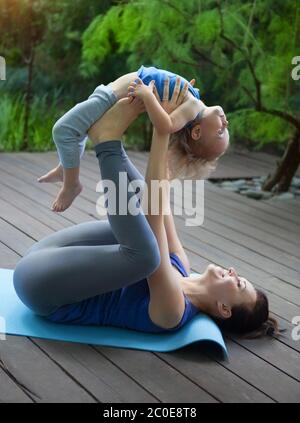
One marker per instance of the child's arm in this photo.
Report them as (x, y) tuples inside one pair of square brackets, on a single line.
[(158, 116)]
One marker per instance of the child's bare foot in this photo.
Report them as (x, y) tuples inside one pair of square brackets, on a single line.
[(55, 175), (65, 197)]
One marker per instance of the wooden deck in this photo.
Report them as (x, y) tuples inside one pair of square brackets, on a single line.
[(260, 239)]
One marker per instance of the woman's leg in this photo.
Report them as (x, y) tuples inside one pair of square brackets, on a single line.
[(86, 233), (50, 277)]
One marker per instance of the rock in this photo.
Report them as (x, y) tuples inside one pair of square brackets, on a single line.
[(266, 195), (261, 179), (239, 183), (252, 194), (233, 189), (297, 192), (284, 196), (296, 182), (226, 184)]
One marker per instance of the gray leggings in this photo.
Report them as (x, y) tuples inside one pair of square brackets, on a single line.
[(90, 258)]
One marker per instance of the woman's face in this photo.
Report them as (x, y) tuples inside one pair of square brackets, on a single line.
[(229, 288)]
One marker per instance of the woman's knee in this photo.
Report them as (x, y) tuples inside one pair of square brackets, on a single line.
[(28, 286), (20, 278)]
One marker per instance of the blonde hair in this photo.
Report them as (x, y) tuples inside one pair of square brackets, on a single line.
[(183, 163)]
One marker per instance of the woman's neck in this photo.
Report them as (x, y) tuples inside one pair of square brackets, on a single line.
[(197, 290)]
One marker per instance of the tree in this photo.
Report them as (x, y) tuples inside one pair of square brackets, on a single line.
[(44, 38), (22, 28), (240, 53)]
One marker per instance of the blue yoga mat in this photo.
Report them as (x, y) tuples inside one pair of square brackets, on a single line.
[(17, 319)]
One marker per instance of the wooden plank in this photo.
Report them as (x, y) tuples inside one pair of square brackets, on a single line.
[(269, 159), (23, 221), (163, 381), (269, 246), (108, 383), (40, 166), (10, 392), (292, 205), (276, 353), (236, 199), (8, 258), (228, 387), (39, 195), (269, 267), (44, 379), (254, 208), (211, 251), (14, 239), (41, 213), (265, 377), (80, 203), (96, 373)]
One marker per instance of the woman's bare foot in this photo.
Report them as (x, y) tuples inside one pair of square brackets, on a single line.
[(55, 175), (116, 120), (65, 197)]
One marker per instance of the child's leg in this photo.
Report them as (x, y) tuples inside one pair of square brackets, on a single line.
[(57, 174), (51, 277), (69, 132), (71, 188)]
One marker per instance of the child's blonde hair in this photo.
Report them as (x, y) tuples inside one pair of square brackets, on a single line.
[(183, 163)]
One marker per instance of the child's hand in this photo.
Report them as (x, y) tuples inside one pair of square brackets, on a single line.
[(138, 89)]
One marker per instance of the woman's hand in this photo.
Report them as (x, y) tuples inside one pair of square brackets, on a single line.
[(178, 95)]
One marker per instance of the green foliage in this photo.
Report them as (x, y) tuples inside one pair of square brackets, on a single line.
[(44, 113), (225, 45)]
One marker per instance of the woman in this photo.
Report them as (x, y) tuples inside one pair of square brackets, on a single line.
[(131, 270)]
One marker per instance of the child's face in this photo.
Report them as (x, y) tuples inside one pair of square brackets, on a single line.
[(213, 134)]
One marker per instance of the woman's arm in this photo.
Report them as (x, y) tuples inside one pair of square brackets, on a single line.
[(174, 243), (166, 297)]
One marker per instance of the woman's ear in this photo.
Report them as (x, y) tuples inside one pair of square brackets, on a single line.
[(224, 310), (196, 132)]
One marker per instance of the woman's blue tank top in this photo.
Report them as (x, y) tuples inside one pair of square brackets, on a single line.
[(126, 307)]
